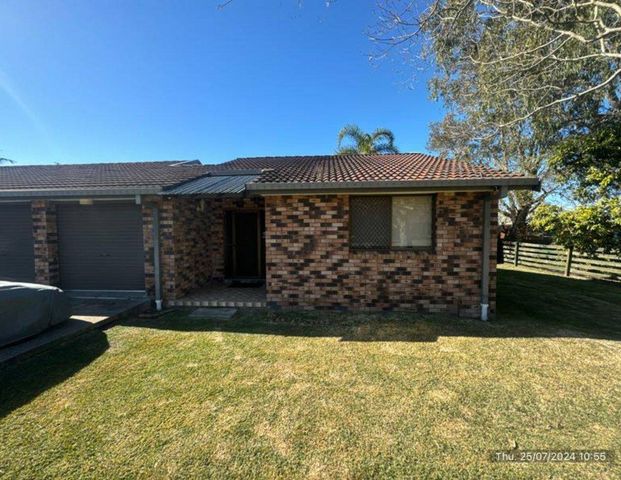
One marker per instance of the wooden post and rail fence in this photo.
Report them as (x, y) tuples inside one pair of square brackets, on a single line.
[(563, 261)]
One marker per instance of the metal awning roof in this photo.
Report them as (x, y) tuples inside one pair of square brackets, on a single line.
[(213, 185)]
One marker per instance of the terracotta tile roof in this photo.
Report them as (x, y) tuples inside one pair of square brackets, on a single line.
[(307, 170), (363, 168), (99, 175)]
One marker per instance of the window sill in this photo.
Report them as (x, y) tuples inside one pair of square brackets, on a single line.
[(391, 249)]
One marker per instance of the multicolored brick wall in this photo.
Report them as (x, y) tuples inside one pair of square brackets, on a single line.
[(45, 234), (184, 260), (147, 234), (191, 241), (192, 261), (309, 260), (310, 263)]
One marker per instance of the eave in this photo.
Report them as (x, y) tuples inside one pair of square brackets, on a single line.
[(470, 184)]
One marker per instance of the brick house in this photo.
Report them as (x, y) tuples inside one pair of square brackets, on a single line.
[(357, 232)]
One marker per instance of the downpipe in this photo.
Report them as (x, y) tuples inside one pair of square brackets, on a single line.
[(156, 258), (484, 311), (486, 241)]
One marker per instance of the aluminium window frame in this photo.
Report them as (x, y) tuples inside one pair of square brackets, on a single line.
[(418, 248)]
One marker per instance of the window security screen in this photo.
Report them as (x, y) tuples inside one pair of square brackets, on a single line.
[(370, 222)]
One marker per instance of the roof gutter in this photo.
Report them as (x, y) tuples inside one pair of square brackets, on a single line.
[(80, 193), (284, 188), (276, 188)]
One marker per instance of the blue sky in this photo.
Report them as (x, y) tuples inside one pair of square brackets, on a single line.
[(119, 80)]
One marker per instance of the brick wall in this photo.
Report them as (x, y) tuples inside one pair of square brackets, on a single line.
[(191, 241), (184, 260), (310, 264), (192, 263), (45, 234), (147, 234)]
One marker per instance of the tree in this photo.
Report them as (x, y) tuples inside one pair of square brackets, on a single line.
[(522, 148), (516, 77), (587, 228), (590, 163), (5, 160), (380, 141), (561, 56)]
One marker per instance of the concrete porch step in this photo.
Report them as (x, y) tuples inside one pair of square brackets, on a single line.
[(214, 303)]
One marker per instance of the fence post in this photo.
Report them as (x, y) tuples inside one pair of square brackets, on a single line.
[(516, 253), (570, 254)]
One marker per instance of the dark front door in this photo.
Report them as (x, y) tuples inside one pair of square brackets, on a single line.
[(245, 252)]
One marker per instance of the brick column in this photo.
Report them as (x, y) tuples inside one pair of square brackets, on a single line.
[(45, 234), (167, 250), (147, 234), (168, 277)]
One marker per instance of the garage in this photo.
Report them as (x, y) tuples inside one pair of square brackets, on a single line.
[(16, 243), (100, 246)]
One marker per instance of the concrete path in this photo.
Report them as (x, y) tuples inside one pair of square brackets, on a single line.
[(213, 313), (87, 314)]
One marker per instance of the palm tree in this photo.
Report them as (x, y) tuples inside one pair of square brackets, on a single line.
[(5, 160), (380, 141)]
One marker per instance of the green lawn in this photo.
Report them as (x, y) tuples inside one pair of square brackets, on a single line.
[(327, 395)]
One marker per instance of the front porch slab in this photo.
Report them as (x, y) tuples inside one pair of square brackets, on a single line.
[(219, 295)]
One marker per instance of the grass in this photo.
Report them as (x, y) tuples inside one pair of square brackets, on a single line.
[(327, 395)]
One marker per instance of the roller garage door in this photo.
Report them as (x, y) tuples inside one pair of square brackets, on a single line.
[(100, 246), (16, 243)]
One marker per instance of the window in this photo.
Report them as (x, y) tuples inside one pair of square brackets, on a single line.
[(411, 221), (398, 222)]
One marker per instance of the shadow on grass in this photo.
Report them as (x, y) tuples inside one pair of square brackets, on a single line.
[(395, 327), (592, 306), (24, 379), (531, 305)]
